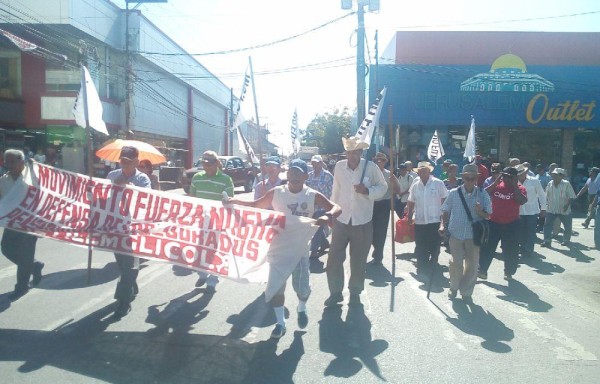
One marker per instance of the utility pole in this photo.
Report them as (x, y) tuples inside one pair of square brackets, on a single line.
[(361, 73), (129, 61), (360, 65)]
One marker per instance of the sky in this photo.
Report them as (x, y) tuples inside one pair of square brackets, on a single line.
[(315, 72)]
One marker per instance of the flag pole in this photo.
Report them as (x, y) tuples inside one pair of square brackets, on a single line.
[(90, 159), (260, 154), (392, 212)]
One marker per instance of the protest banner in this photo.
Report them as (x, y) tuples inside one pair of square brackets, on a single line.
[(230, 241)]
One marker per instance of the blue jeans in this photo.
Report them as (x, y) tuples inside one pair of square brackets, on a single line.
[(319, 238), (567, 221), (527, 234)]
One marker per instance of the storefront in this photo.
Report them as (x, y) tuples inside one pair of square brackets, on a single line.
[(533, 95)]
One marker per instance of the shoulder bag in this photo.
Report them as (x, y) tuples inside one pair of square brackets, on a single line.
[(481, 228)]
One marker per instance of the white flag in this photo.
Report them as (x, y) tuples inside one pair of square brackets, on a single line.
[(88, 107), (294, 131), (470, 147), (366, 129), (245, 146), (435, 151)]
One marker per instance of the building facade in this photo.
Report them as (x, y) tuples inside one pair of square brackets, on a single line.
[(533, 95), (149, 86)]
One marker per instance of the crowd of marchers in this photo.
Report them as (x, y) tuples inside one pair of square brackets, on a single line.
[(470, 213)]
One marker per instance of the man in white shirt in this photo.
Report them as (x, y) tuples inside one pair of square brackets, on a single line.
[(357, 183), (529, 212), (405, 180), (592, 185), (425, 199), (559, 196), (18, 247)]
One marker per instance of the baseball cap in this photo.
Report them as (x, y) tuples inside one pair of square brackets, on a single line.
[(300, 165), (129, 152), (273, 160), (316, 159)]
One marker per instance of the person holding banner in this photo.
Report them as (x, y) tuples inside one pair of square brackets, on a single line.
[(210, 183), (297, 199), (357, 183), (128, 174), (427, 194), (18, 247), (321, 180)]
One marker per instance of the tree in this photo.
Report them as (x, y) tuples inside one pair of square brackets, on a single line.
[(326, 131)]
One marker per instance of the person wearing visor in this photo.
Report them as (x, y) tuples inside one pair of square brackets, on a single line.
[(268, 178), (210, 183)]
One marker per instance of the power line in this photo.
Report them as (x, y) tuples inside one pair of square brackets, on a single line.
[(235, 50)]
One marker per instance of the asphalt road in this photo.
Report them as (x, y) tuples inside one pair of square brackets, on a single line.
[(543, 327)]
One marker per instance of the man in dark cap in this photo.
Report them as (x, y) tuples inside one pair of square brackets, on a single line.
[(507, 197), (127, 287)]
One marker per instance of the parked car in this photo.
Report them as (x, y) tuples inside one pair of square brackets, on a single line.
[(241, 172)]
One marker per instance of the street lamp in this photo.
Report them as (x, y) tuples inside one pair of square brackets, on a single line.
[(373, 6)]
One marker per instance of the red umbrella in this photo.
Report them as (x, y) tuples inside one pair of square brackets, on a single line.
[(112, 151)]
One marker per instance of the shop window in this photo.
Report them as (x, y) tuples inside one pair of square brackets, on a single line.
[(10, 75)]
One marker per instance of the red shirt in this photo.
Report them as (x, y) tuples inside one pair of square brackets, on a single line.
[(505, 208)]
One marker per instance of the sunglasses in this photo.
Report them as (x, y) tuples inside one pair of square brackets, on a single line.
[(209, 161)]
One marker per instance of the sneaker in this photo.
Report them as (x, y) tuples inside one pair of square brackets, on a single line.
[(18, 293), (201, 281), (333, 299), (302, 319), (451, 294), (566, 243), (482, 275), (278, 331), (37, 273), (467, 299), (122, 310), (545, 244), (508, 277), (585, 225), (354, 300)]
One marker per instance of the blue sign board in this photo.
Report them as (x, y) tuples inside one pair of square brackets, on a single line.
[(507, 94)]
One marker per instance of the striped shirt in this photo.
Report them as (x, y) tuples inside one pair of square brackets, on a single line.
[(211, 187), (558, 196), (322, 183)]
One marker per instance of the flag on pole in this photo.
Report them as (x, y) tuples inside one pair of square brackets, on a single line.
[(367, 127), (470, 147), (242, 95), (294, 131), (88, 107), (22, 44), (245, 146), (435, 151)]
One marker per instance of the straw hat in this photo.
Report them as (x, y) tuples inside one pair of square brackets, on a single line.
[(353, 143), (425, 164)]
